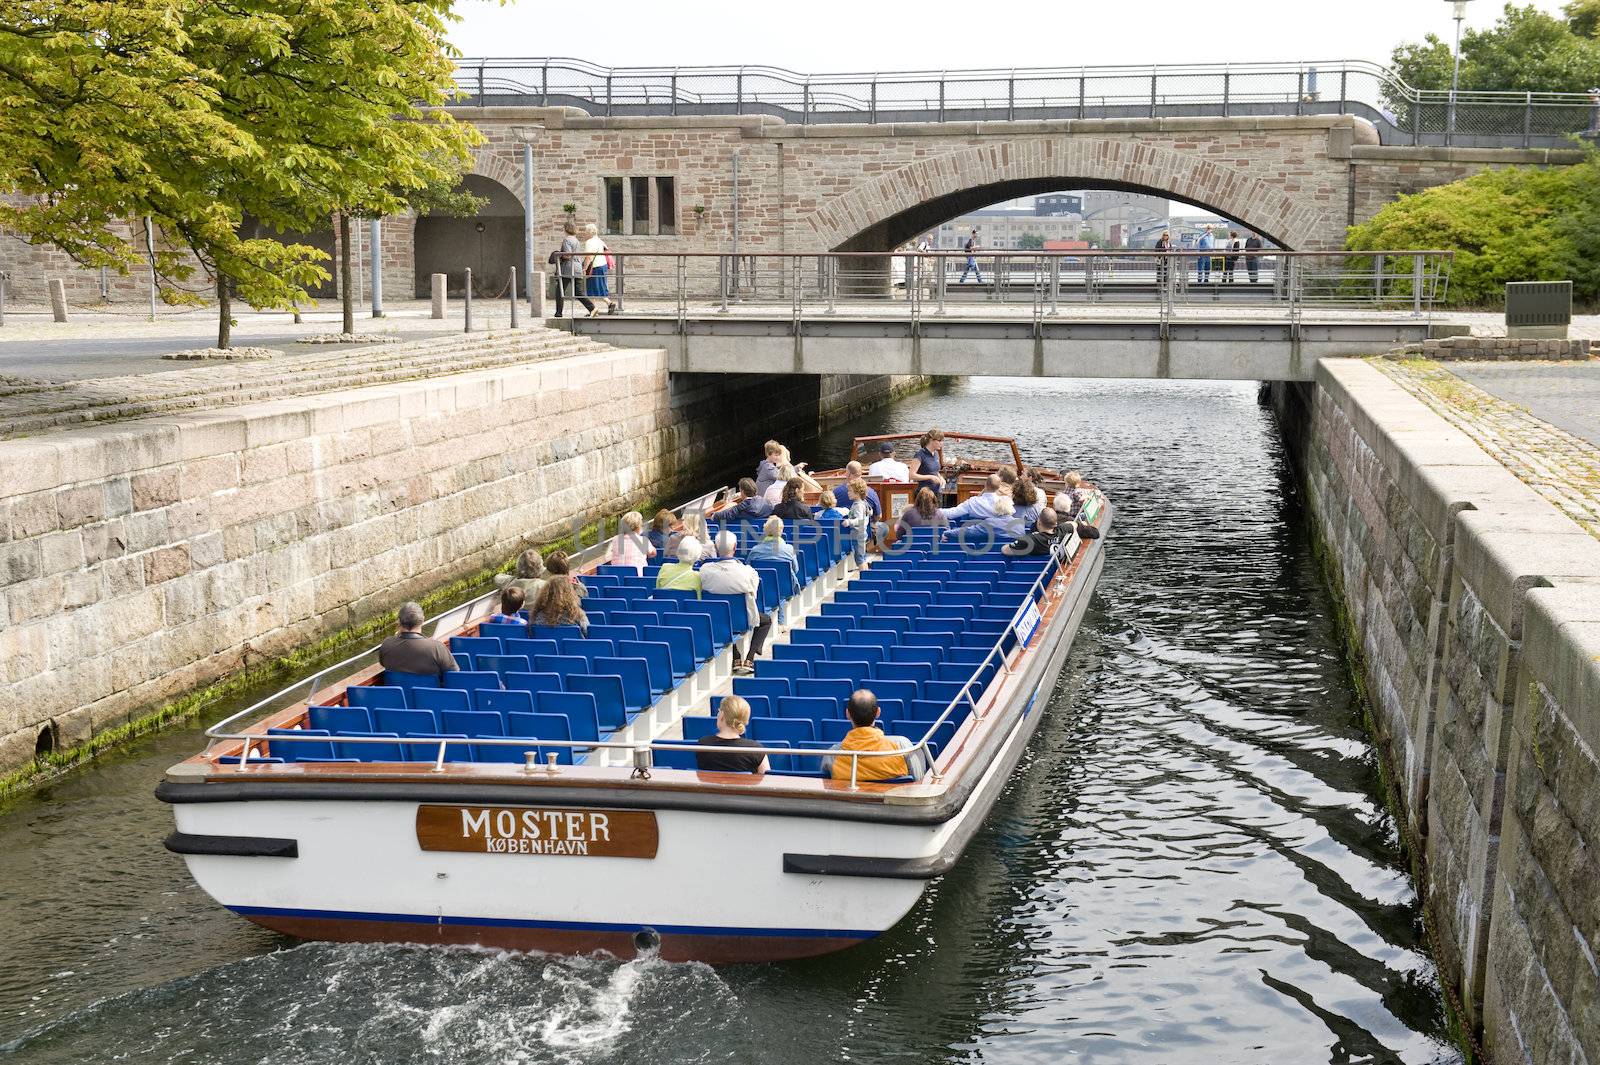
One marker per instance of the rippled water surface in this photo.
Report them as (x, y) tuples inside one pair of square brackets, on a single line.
[(1192, 864)]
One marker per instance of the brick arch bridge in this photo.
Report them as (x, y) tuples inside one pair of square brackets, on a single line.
[(1300, 180)]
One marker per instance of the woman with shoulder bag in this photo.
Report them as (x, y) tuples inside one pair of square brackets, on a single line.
[(596, 263), (568, 261)]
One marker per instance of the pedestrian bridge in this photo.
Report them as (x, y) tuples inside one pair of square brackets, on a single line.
[(1081, 314)]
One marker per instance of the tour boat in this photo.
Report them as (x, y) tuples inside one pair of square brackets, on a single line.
[(545, 796)]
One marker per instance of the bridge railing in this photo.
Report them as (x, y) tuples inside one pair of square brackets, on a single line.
[(1022, 285), (1402, 114)]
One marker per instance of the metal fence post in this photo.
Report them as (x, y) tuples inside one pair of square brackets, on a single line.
[(544, 84), (608, 95), (872, 105), (1377, 279), (480, 84), (738, 93), (1344, 94), (1416, 284), (1227, 86), (805, 103), (1011, 97), (622, 283), (513, 294), (943, 280), (1082, 92), (941, 96), (1153, 77), (722, 281), (3, 277), (1527, 122), (1055, 284), (467, 304), (1299, 92)]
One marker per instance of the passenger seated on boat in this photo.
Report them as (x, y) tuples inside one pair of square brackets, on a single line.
[(1027, 498), (773, 546), (511, 600), (408, 651), (888, 468), (661, 528), (1000, 527), (923, 513), (858, 516), (714, 755), (767, 469), (629, 547), (529, 575), (692, 527), (977, 507), (793, 507), (681, 574), (558, 567), (726, 575), (1037, 541), (751, 505), (558, 603), (1076, 491), (862, 710), (841, 493)]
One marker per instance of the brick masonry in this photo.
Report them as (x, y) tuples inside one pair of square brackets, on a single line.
[(1474, 605), (868, 188), (141, 560)]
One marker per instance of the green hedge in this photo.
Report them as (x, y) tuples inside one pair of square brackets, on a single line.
[(1516, 224)]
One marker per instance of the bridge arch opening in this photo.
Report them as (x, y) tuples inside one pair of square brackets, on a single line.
[(490, 242), (906, 226)]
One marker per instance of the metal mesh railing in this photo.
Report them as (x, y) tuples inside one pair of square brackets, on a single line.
[(1400, 113)]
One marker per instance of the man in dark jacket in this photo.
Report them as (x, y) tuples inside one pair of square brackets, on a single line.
[(408, 651), (752, 506), (1252, 256)]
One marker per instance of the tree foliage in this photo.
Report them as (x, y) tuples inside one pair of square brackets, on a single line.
[(1527, 50), (1504, 225), (198, 113)]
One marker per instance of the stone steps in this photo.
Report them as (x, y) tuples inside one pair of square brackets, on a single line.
[(38, 408)]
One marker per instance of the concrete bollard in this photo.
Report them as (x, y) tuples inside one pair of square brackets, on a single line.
[(58, 299), (536, 289), (441, 300)]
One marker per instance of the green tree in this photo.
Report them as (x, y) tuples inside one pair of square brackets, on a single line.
[(1504, 225), (1527, 50), (1030, 242), (199, 114)]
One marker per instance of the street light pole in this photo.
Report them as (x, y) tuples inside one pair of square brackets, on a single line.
[(527, 135), (1460, 13)]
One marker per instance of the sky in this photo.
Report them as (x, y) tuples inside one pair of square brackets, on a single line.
[(883, 35)]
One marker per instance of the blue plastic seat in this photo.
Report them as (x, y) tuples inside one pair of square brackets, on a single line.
[(798, 652), (545, 727), (566, 666), (739, 619), (611, 707), (871, 638), (619, 635), (468, 680), (679, 643), (502, 631), (833, 731), (781, 729), (902, 691), (405, 721), (531, 648), (554, 632), (634, 673), (472, 723), (695, 726), (533, 682), (770, 687), (859, 652), (475, 645), (915, 672), (840, 623), (518, 701), (832, 688), (922, 638), (579, 708), (672, 754), (816, 637), (429, 752), (589, 650), (809, 708), (439, 700), (410, 681), (374, 696), (503, 663), (790, 670), (658, 660), (370, 752), (290, 751), (337, 719), (853, 671), (760, 705)]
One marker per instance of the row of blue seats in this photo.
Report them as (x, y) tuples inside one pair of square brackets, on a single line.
[(798, 730), (323, 745), (580, 710)]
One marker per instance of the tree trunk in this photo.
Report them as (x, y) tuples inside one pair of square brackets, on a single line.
[(347, 288), (224, 314)]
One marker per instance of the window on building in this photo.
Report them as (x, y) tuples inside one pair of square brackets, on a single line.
[(613, 206), (666, 206), (639, 189)]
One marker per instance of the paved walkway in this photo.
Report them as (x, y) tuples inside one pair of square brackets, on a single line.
[(1560, 464)]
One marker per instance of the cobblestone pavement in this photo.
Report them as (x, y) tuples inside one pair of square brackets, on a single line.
[(1559, 465)]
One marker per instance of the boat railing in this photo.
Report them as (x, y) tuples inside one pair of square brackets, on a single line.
[(997, 654), (445, 621)]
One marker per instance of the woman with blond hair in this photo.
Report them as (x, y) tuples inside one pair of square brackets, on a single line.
[(596, 266), (629, 547)]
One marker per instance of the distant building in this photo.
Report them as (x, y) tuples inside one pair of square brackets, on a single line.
[(1006, 229), (1127, 212), (1057, 203)]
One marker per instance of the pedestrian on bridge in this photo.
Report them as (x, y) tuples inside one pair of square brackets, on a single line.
[(1231, 260), (971, 248), (1163, 244), (1202, 265), (1252, 256)]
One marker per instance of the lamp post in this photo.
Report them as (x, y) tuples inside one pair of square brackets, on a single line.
[(1459, 13), (527, 135)]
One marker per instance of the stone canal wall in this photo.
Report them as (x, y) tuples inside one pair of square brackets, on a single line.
[(1475, 606), (143, 560)]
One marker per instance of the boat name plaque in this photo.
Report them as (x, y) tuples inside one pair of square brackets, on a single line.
[(1026, 622), (537, 830)]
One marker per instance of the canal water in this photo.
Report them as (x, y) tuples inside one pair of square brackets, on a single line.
[(1193, 863)]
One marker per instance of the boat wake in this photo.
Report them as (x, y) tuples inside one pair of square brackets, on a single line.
[(336, 1003)]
